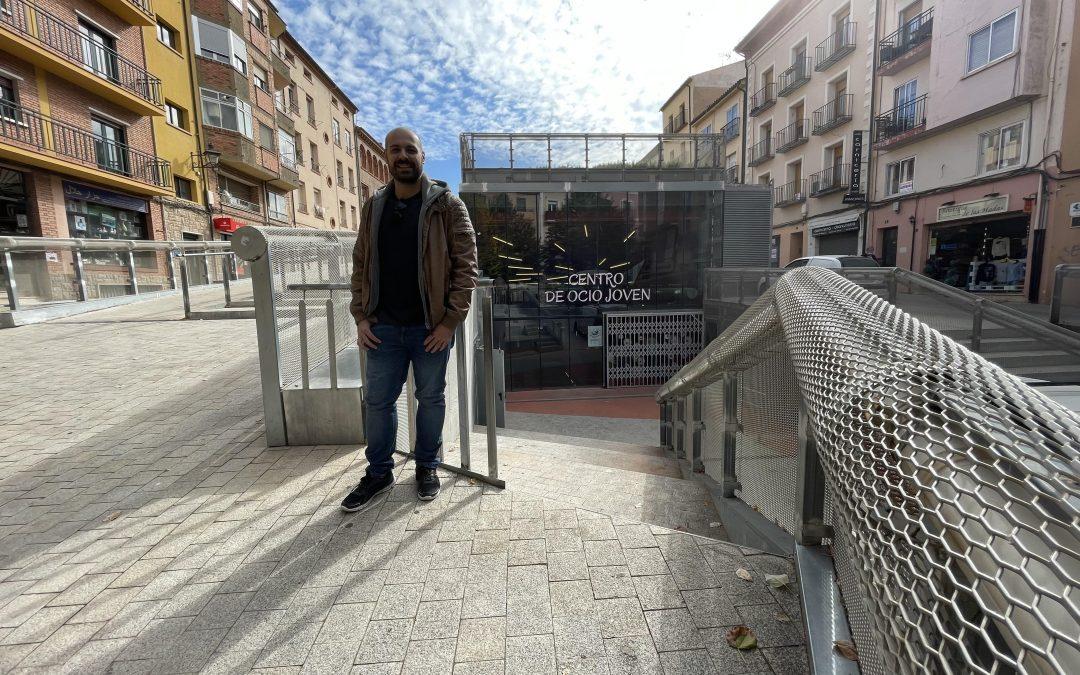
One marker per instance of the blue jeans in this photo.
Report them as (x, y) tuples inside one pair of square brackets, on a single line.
[(387, 369)]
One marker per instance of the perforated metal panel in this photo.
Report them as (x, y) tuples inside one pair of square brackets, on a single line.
[(954, 488), (644, 348)]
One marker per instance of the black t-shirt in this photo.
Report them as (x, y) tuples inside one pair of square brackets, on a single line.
[(400, 303)]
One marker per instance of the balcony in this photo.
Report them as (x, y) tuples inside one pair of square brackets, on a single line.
[(731, 174), (135, 12), (833, 114), (900, 124), (762, 99), (760, 152), (239, 204), (910, 43), (29, 137), (731, 130), (790, 193), (61, 49), (835, 47), (794, 77), (277, 60), (791, 136), (243, 155), (831, 179)]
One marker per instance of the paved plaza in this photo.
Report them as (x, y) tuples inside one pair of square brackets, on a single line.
[(146, 527)]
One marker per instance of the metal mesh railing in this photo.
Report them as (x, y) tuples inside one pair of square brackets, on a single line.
[(309, 257), (951, 487), (1065, 301)]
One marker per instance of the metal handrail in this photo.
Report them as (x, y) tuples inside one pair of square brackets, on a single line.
[(760, 151), (792, 135), (829, 179), (34, 22), (762, 98), (834, 113), (1060, 274), (794, 77), (948, 487), (27, 127), (793, 192)]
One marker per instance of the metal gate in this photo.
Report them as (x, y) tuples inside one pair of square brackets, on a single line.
[(647, 348)]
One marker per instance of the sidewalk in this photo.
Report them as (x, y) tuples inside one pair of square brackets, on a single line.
[(145, 527)]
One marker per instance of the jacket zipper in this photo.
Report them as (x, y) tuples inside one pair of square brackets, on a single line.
[(420, 256)]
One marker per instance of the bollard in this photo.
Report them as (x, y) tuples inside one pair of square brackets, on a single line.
[(185, 286), (489, 385)]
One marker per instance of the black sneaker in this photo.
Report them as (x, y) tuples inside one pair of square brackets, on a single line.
[(427, 484), (366, 492)]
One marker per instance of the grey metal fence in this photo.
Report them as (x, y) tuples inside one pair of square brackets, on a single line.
[(1065, 301), (947, 489)]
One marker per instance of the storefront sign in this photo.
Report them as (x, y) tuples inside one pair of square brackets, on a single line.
[(52, 256), (98, 196), (979, 207), (596, 336), (854, 193), (602, 287), (835, 228), (1074, 213)]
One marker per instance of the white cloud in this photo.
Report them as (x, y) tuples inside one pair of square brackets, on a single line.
[(516, 65)]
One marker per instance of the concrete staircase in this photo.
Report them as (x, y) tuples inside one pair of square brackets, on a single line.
[(1023, 355)]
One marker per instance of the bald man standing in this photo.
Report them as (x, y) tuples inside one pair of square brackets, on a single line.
[(414, 269)]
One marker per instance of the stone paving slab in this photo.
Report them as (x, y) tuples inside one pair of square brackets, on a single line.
[(145, 527)]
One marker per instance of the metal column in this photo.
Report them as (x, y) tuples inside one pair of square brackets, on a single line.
[(12, 287), (810, 500)]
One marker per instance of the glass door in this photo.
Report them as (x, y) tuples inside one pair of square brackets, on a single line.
[(99, 52), (110, 146), (904, 104)]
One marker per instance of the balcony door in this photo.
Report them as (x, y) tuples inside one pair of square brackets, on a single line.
[(99, 51), (904, 103), (110, 146)]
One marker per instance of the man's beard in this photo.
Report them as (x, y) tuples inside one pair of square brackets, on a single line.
[(407, 180)]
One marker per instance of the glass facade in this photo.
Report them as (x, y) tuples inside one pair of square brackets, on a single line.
[(560, 260)]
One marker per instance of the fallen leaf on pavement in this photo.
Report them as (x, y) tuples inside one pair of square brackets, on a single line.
[(744, 574), (782, 617), (777, 580), (847, 649), (741, 637), (113, 516)]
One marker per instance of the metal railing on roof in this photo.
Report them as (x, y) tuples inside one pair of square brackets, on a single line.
[(945, 489)]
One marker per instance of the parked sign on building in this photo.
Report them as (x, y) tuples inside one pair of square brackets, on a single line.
[(596, 334), (855, 194), (973, 209)]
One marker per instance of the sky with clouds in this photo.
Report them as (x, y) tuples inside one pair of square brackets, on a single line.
[(515, 65)]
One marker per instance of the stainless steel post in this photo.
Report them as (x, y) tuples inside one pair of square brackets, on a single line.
[(730, 483), (890, 283), (810, 501), (131, 272), (464, 419), (976, 326), (331, 342), (225, 279), (80, 275), (697, 430), (1055, 297), (301, 309), (9, 279), (185, 286), (489, 384)]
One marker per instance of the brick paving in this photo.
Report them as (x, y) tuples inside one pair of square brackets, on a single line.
[(145, 527)]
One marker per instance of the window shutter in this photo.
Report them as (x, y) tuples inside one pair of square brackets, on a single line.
[(979, 49)]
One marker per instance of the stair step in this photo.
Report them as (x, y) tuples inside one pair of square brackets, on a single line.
[(587, 451), (614, 446)]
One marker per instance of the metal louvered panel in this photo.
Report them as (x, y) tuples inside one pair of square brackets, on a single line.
[(747, 226)]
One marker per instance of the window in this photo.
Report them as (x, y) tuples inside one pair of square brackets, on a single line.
[(301, 198), (184, 188), (9, 100), (310, 110), (255, 16), (1000, 148), (286, 148), (317, 193), (337, 132), (175, 115), (167, 35), (313, 151), (110, 145), (307, 74), (340, 174), (352, 180), (732, 113), (99, 51), (220, 44), (276, 206), (226, 112), (900, 177), (266, 136), (348, 143), (352, 214), (238, 195), (341, 214), (992, 43), (262, 80), (333, 102)]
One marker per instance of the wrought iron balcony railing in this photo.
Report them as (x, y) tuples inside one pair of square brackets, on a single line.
[(835, 47), (731, 174), (905, 39), (32, 130), (901, 119), (794, 77), (790, 193), (792, 135), (760, 152), (34, 23), (830, 179), (835, 113), (731, 129), (762, 99), (238, 203)]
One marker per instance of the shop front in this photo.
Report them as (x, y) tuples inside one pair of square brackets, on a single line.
[(836, 234), (13, 211)]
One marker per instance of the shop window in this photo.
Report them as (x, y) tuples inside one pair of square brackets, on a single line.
[(226, 112), (167, 35), (175, 115), (900, 177), (220, 44), (992, 43), (1000, 148), (262, 80), (107, 220), (13, 218), (184, 188)]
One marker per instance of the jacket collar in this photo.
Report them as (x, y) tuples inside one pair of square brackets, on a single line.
[(429, 188)]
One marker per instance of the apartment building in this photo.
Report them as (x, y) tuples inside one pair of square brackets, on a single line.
[(323, 137), (247, 158), (725, 116), (973, 141), (686, 103), (374, 171), (77, 150), (808, 70)]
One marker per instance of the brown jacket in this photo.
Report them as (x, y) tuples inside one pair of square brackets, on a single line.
[(447, 253)]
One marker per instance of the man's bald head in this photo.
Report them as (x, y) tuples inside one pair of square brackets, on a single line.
[(405, 155)]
